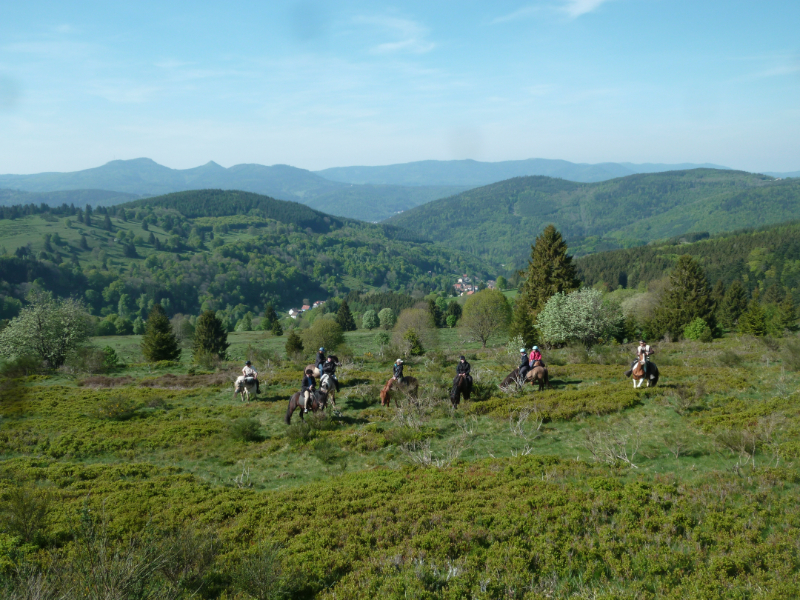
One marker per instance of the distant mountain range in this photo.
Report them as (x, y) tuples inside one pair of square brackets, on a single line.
[(499, 221), (473, 173), (144, 177)]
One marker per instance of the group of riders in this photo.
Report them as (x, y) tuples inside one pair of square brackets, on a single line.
[(327, 366)]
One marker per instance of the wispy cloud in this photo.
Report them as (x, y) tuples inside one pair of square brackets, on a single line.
[(573, 8), (408, 36)]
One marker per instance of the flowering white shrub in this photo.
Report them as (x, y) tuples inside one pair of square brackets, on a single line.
[(581, 316)]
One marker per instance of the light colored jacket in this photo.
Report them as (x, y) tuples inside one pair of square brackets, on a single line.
[(249, 372)]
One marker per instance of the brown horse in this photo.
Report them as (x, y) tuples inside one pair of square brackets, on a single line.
[(461, 387), (409, 387), (537, 374), (318, 402)]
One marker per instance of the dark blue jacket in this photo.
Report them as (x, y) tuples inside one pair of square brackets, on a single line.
[(308, 382), (398, 371)]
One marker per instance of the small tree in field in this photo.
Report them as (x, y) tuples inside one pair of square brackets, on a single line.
[(370, 320), (270, 317), (47, 328), (345, 318), (579, 316), (159, 342), (294, 345), (277, 330), (387, 318), (324, 333), (486, 314), (210, 337)]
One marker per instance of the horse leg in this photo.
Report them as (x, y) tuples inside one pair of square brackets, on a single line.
[(289, 411)]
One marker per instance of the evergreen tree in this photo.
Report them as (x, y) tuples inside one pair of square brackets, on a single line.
[(718, 293), (294, 345), (270, 317), (107, 223), (159, 341), (145, 226), (123, 216), (734, 303), (550, 271), (522, 325), (753, 320), (775, 294), (436, 313), (84, 244), (210, 336), (87, 215), (787, 313), (276, 328), (151, 239), (688, 297), (345, 318)]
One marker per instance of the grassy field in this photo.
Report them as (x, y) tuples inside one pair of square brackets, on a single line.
[(590, 489)]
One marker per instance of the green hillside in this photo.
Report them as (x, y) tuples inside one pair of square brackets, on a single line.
[(758, 257), (230, 251), (498, 222)]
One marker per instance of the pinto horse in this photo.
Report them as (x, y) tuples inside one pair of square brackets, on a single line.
[(244, 386), (319, 401), (409, 386), (462, 386), (637, 374)]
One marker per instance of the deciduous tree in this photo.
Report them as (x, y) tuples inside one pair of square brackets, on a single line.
[(486, 314), (580, 316)]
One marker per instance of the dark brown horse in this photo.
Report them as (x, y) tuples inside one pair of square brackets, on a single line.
[(537, 374), (409, 386), (319, 401), (462, 386)]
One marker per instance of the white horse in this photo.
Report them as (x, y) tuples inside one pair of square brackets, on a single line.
[(244, 386), (330, 386)]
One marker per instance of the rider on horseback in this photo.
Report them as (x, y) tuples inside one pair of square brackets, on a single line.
[(329, 369), (307, 388), (249, 372), (320, 360), (643, 352), (397, 373), (462, 370), (536, 355), (524, 365)]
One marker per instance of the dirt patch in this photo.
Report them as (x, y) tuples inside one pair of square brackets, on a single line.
[(183, 382), (103, 381)]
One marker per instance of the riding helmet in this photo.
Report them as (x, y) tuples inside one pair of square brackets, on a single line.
[(248, 363), (322, 349), (522, 350), (399, 361), (463, 358), (535, 348)]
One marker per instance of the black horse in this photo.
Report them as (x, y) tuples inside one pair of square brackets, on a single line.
[(462, 386), (318, 402)]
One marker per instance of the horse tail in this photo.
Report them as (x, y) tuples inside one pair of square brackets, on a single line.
[(289, 411)]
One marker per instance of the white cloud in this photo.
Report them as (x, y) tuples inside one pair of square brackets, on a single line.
[(408, 36), (521, 13), (576, 8)]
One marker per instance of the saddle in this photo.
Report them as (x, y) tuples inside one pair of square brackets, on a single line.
[(249, 380)]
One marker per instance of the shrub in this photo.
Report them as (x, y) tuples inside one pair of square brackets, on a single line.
[(729, 358), (697, 330), (791, 357), (411, 343), (20, 366), (387, 318), (26, 511), (246, 429), (327, 452), (370, 320), (261, 573), (117, 409), (581, 316), (294, 345), (105, 328), (324, 333)]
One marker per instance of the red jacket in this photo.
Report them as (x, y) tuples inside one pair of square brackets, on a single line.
[(535, 355)]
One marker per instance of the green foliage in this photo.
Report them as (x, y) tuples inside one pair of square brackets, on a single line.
[(370, 320), (110, 358), (323, 333), (688, 298), (734, 303), (753, 321), (26, 511), (697, 330), (294, 345), (451, 321), (263, 573), (387, 318), (245, 323), (486, 315), (270, 317), (436, 313), (345, 318), (580, 316), (412, 343), (276, 330), (210, 336), (502, 283), (421, 321), (159, 342), (550, 271), (246, 429), (47, 328)]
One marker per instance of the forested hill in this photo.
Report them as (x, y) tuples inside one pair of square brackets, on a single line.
[(499, 221), (758, 257), (228, 251)]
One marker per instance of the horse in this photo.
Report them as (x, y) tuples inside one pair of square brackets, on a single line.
[(244, 386), (409, 386), (315, 370), (319, 401), (637, 374), (326, 381), (537, 374), (461, 387)]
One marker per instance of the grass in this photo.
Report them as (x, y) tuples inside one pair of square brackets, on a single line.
[(203, 450)]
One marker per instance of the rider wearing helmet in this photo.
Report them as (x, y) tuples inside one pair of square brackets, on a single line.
[(307, 388), (524, 365), (397, 372), (536, 355), (329, 369), (320, 360), (462, 370), (249, 371), (643, 352)]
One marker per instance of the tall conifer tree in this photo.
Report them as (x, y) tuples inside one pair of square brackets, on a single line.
[(345, 318), (734, 303), (210, 336), (159, 341), (688, 297), (753, 320)]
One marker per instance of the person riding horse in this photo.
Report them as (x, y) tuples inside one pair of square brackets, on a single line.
[(524, 365), (329, 369), (643, 352), (320, 360), (397, 372), (536, 356), (462, 370), (307, 389), (249, 371)]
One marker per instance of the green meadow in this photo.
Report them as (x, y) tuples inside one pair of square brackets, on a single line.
[(590, 489)]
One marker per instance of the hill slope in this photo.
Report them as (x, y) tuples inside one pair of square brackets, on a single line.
[(473, 173), (213, 249), (144, 177), (500, 221), (77, 197)]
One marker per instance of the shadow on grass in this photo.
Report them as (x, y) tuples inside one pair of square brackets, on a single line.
[(354, 404)]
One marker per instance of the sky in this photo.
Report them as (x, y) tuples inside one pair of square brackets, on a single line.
[(318, 84)]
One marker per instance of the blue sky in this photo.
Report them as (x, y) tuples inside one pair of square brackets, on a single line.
[(319, 84)]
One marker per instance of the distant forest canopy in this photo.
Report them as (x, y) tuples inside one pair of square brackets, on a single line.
[(229, 256), (77, 198), (759, 258), (497, 222)]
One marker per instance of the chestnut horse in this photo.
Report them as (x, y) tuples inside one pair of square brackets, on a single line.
[(637, 374), (409, 387)]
